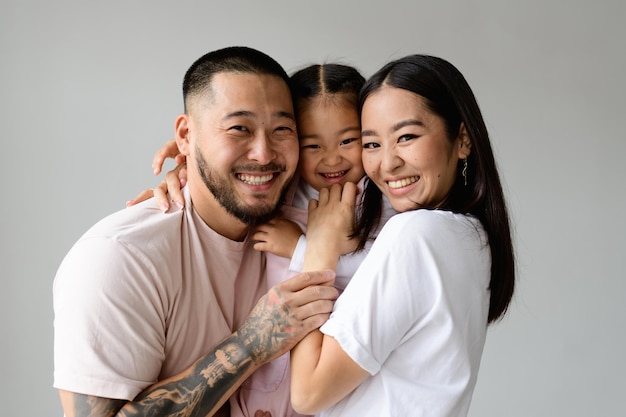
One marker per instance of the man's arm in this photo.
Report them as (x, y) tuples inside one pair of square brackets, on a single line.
[(280, 319)]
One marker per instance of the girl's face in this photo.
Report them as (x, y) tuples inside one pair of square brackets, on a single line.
[(330, 142), (406, 150)]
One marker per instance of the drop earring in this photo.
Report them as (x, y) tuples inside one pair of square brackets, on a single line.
[(464, 171)]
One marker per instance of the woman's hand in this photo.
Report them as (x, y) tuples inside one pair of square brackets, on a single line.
[(174, 180)]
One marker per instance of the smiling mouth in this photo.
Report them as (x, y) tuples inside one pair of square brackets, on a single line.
[(255, 179), (403, 182), (332, 175)]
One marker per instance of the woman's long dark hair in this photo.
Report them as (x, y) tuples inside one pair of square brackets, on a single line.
[(448, 95)]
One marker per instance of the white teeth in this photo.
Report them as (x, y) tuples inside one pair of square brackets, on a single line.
[(403, 182), (334, 174), (255, 179)]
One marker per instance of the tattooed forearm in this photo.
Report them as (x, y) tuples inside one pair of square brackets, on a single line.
[(85, 405), (200, 391), (270, 330)]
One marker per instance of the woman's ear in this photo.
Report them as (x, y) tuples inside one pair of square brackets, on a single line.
[(465, 143), (181, 128)]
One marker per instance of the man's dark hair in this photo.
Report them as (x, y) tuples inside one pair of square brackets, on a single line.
[(238, 59)]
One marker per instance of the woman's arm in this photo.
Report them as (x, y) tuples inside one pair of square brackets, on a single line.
[(321, 372)]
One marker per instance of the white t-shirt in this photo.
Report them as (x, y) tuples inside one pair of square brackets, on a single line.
[(142, 295), (415, 317), (268, 389)]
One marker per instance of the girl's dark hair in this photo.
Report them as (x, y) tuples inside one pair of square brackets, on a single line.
[(447, 94), (326, 80)]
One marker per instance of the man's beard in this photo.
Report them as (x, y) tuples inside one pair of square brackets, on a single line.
[(226, 197)]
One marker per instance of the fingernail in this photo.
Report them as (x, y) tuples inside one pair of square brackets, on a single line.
[(164, 207), (179, 205)]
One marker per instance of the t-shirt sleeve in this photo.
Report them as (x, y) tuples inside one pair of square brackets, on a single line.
[(391, 294), (297, 259), (109, 321)]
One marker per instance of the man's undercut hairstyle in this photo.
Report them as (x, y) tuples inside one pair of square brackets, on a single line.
[(236, 59)]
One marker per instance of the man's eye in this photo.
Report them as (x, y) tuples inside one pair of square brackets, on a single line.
[(239, 128), (284, 129)]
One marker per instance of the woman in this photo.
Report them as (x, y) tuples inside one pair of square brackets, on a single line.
[(407, 334)]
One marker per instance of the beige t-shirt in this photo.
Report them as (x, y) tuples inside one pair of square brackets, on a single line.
[(143, 294)]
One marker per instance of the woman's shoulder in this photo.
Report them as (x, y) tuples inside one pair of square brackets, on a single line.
[(433, 223), (432, 217)]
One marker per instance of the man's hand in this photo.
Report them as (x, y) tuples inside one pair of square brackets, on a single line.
[(287, 313)]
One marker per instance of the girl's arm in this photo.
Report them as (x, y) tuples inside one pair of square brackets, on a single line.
[(170, 187), (321, 372), (278, 236)]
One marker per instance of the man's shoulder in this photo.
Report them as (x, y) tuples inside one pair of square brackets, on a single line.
[(142, 220)]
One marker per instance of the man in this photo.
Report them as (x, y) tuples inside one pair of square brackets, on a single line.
[(179, 299)]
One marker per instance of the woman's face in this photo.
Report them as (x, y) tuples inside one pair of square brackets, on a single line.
[(406, 151)]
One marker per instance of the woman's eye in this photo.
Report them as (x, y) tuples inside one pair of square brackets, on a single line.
[(407, 137)]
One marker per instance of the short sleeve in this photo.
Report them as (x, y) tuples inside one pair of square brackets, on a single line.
[(413, 285), (109, 321)]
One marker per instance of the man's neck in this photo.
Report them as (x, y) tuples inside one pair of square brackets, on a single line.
[(214, 215)]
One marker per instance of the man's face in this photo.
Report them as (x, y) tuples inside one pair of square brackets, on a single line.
[(243, 143)]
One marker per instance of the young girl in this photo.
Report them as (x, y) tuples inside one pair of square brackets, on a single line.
[(329, 133), (407, 334)]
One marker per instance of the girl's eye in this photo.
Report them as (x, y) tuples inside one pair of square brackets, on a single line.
[(348, 141), (371, 145), (310, 147)]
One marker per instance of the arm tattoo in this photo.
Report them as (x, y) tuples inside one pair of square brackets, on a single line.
[(195, 394), (267, 333)]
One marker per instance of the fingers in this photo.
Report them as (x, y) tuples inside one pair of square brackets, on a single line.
[(174, 184), (335, 192), (169, 150), (306, 279), (160, 196), (144, 195), (314, 314), (349, 192)]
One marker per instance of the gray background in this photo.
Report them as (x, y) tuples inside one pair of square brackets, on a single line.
[(90, 90)]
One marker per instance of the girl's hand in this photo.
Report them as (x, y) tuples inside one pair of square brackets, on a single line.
[(330, 225), (278, 236), (174, 180)]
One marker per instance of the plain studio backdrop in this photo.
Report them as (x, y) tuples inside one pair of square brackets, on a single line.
[(90, 90)]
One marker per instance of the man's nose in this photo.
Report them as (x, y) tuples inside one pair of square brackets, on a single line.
[(261, 149)]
